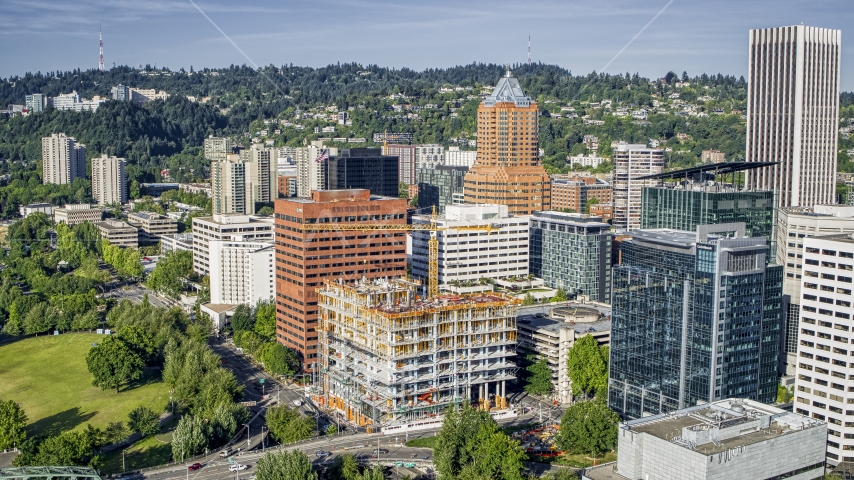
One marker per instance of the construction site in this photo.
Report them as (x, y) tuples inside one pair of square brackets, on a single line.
[(387, 355)]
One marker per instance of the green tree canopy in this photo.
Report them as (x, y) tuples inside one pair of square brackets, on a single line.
[(539, 381), (279, 359), (287, 425), (289, 464), (189, 438), (113, 363), (144, 421), (171, 271), (13, 423), (588, 427), (587, 366)]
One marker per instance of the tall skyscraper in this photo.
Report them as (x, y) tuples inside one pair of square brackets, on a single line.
[(63, 159), (696, 317), (793, 112), (630, 163), (261, 170), (508, 170), (438, 185), (109, 182), (302, 266), (216, 148), (406, 165), (311, 174), (363, 168), (228, 182)]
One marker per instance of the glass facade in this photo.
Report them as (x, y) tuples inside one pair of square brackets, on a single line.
[(572, 252), (365, 168), (684, 209), (437, 186), (694, 319)]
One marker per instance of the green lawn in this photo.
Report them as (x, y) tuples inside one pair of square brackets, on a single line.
[(47, 375), (148, 452)]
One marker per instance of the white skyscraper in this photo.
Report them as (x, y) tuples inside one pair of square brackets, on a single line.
[(109, 182), (310, 174), (630, 163), (793, 112), (228, 182), (63, 159), (261, 172), (241, 271)]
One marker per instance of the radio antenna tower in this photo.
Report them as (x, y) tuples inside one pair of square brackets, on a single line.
[(101, 47), (529, 49)]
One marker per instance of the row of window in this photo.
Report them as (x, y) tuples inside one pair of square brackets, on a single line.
[(831, 253)]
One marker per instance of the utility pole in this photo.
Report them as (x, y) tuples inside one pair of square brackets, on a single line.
[(123, 460), (529, 49)]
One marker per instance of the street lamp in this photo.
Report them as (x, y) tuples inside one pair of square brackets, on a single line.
[(248, 429)]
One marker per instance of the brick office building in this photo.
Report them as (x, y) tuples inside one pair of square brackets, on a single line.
[(305, 258)]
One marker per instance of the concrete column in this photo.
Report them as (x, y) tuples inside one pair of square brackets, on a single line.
[(502, 389)]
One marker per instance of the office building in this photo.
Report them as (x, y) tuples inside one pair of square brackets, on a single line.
[(234, 227), (118, 233), (143, 95), (824, 341), (406, 164), (712, 156), (574, 192), (630, 163), (228, 181), (121, 93), (696, 318), (287, 186), (27, 210), (429, 155), (63, 159), (72, 101), (35, 103), (551, 338), (591, 161), (176, 242), (72, 214), (152, 227), (304, 258), (261, 167), (508, 169), (362, 168), (437, 186), (733, 438), (572, 251), (469, 255), (605, 211), (217, 148), (793, 112), (109, 181), (454, 157), (241, 272), (311, 174), (389, 356), (796, 224)]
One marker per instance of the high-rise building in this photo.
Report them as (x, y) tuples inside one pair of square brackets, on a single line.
[(508, 169), (794, 225), (406, 161), (630, 163), (63, 159), (793, 112), (228, 181), (311, 174), (109, 182), (261, 166), (454, 157), (695, 318), (437, 186), (822, 388), (121, 93), (572, 251), (217, 148), (305, 258), (35, 103), (429, 154), (231, 227), (241, 272), (574, 192), (362, 168), (469, 255)]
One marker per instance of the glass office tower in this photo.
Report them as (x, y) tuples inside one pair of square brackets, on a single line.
[(437, 186), (696, 317)]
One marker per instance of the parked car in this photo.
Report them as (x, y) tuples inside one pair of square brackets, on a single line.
[(237, 467), (380, 451), (224, 453), (194, 466), (297, 403), (322, 453)]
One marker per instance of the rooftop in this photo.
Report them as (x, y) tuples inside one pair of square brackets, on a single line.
[(553, 325), (114, 225), (841, 237), (580, 218), (508, 89), (722, 425), (717, 168), (147, 215)]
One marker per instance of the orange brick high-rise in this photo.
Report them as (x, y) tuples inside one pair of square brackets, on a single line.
[(304, 259), (508, 170)]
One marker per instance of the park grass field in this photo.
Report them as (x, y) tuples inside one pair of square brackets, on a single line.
[(47, 376), (148, 452)]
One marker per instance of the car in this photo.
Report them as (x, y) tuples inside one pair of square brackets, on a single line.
[(380, 451), (194, 466), (540, 315), (224, 453), (322, 453), (409, 464), (237, 467), (425, 457), (413, 455), (297, 403), (398, 464)]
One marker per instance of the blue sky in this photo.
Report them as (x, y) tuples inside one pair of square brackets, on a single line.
[(694, 35)]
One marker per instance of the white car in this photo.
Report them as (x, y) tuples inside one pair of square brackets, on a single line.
[(297, 403), (237, 466)]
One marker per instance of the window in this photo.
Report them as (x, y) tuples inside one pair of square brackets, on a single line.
[(832, 253)]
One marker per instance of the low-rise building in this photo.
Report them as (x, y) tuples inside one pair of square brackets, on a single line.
[(118, 233), (603, 210), (152, 226), (725, 439), (72, 214), (27, 210), (176, 242), (226, 227), (575, 193)]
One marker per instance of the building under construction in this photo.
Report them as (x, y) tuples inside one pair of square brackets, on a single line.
[(387, 354)]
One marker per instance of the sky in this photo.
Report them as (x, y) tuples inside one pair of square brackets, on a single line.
[(636, 36)]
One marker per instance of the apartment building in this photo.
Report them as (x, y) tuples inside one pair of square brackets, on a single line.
[(152, 227), (406, 161), (429, 155), (241, 272), (63, 159), (469, 255), (573, 193), (630, 163), (229, 182), (261, 165), (234, 227), (118, 233), (109, 181), (217, 148), (311, 173), (72, 214), (454, 157)]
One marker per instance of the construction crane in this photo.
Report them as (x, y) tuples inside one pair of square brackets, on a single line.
[(432, 244)]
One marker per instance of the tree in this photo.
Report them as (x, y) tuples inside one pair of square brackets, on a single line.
[(115, 432), (587, 366), (169, 274), (265, 320), (528, 300), (189, 438), (144, 421), (332, 429), (13, 422), (265, 211), (287, 425), (278, 359), (590, 202), (39, 319), (784, 395), (560, 295), (588, 427), (113, 363), (293, 465), (539, 380), (242, 318)]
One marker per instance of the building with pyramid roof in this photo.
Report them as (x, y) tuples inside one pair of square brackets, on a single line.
[(508, 170)]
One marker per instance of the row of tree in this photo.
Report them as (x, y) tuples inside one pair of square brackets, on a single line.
[(254, 330)]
